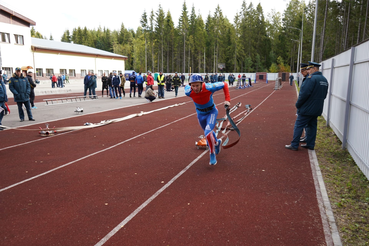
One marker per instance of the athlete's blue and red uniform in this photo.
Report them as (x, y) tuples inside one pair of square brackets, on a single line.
[(206, 110)]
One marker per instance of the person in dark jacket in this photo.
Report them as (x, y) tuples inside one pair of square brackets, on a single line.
[(93, 85), (60, 81), (132, 85), (206, 78), (33, 86), (176, 83), (3, 98), (291, 79), (215, 77), (243, 78), (110, 84), (86, 82), (168, 82), (115, 80), (21, 89), (304, 72), (105, 85), (309, 106), (183, 77)]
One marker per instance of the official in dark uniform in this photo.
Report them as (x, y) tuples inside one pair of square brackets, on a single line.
[(304, 71), (309, 106)]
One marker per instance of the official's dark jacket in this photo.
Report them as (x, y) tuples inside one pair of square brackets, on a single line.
[(312, 94), (20, 88)]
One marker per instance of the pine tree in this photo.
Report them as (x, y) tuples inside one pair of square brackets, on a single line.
[(183, 28), (66, 37)]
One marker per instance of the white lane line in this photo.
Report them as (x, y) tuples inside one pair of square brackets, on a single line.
[(157, 193), (87, 156), (24, 143), (143, 205), (29, 142), (59, 134)]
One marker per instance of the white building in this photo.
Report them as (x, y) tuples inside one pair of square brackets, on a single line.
[(48, 57), (15, 40)]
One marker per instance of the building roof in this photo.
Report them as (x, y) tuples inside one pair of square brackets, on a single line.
[(16, 14), (63, 47)]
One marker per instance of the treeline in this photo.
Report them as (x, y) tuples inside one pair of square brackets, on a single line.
[(251, 42)]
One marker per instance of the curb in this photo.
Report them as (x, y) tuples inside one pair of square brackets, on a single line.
[(331, 233)]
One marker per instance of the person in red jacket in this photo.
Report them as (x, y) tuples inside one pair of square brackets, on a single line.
[(54, 79), (150, 80)]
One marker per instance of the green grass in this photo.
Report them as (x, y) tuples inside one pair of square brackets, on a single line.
[(347, 187)]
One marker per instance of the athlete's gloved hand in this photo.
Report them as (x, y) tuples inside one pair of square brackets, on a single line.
[(226, 103)]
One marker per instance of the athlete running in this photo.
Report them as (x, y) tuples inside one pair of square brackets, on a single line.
[(202, 95)]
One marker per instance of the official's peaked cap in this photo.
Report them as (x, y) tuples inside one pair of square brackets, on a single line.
[(314, 64), (304, 65)]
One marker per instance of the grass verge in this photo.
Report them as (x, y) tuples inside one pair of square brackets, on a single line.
[(347, 187)]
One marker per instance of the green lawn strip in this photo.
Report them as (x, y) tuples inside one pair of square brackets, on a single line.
[(347, 187)]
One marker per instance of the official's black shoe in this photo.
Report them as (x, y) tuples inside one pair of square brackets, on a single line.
[(306, 147), (21, 120), (31, 119), (290, 147)]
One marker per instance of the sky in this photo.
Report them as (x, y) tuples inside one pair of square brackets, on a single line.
[(54, 17)]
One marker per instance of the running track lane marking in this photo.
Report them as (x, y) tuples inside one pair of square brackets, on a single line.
[(100, 151), (157, 193), (87, 156), (59, 134)]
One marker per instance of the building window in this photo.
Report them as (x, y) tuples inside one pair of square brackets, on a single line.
[(8, 71), (72, 73), (63, 71), (83, 72), (39, 72), (99, 72), (5, 37), (19, 39), (49, 71), (106, 72)]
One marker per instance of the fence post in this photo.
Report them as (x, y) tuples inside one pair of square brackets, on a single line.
[(330, 93), (348, 99)]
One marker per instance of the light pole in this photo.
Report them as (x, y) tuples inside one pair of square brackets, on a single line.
[(301, 35), (298, 57), (313, 43)]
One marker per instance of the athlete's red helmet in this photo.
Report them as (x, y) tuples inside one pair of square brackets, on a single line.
[(196, 78)]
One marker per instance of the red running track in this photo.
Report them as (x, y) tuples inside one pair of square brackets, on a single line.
[(259, 193)]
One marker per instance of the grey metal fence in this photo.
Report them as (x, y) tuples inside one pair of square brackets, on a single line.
[(346, 108)]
